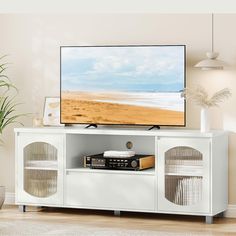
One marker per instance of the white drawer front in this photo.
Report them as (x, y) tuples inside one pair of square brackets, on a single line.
[(110, 191)]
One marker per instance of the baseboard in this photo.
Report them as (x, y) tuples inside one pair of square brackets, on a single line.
[(9, 198), (229, 213)]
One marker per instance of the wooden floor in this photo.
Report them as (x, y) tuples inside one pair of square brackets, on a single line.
[(183, 225)]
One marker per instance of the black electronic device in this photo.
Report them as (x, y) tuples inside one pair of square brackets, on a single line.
[(137, 162)]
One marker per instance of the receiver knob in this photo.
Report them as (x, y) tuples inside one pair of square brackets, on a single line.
[(134, 163)]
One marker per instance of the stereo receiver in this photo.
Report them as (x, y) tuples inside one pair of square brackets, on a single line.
[(136, 162)]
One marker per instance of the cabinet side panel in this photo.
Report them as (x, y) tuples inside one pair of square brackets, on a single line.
[(16, 167), (219, 170)]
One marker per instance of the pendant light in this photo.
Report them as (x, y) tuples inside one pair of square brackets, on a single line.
[(211, 63)]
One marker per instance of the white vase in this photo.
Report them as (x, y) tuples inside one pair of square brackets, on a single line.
[(205, 120)]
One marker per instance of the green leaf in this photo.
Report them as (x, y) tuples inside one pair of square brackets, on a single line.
[(8, 104)]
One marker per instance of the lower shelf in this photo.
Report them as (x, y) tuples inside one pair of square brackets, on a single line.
[(40, 168), (184, 174), (150, 171)]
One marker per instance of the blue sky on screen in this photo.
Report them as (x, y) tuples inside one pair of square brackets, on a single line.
[(128, 69)]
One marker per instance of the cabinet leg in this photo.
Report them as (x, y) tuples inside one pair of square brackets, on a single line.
[(116, 213), (209, 220), (22, 208)]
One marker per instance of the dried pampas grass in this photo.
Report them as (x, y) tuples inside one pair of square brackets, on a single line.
[(201, 97)]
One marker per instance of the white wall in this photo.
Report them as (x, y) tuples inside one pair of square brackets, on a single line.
[(33, 44)]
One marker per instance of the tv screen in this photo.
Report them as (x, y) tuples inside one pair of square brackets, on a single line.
[(128, 85)]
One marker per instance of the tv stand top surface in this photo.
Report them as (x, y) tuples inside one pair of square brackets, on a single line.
[(138, 131)]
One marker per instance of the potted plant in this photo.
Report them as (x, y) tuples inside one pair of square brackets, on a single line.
[(8, 106), (201, 97)]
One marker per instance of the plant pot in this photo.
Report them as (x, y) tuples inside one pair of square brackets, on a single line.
[(2, 195), (205, 120)]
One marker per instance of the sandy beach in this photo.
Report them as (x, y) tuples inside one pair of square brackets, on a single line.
[(82, 107)]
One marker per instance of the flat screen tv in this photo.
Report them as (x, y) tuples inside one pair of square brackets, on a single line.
[(123, 85)]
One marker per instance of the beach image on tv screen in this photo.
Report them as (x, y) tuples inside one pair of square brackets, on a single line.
[(133, 85)]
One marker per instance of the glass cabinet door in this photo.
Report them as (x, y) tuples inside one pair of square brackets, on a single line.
[(40, 167), (183, 175)]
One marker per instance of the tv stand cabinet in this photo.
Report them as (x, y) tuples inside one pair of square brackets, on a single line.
[(190, 175)]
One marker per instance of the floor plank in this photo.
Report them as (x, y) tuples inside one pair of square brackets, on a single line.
[(181, 225)]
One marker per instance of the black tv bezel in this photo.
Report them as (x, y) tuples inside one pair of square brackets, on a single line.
[(146, 45)]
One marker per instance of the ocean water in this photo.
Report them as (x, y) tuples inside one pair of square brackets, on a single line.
[(168, 101)]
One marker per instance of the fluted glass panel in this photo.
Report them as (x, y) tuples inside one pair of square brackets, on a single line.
[(40, 169), (183, 175)]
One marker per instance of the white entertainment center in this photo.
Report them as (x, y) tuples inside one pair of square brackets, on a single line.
[(190, 174)]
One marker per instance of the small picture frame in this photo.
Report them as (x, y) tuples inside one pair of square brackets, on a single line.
[(51, 114)]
